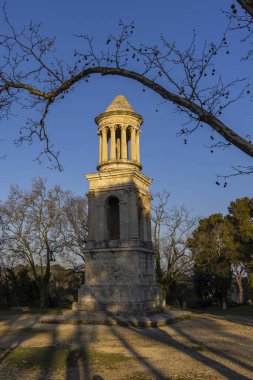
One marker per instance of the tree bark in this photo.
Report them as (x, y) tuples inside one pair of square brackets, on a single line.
[(247, 5), (240, 289), (42, 291)]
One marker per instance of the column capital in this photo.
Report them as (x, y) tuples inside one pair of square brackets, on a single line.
[(104, 128), (123, 126), (133, 129)]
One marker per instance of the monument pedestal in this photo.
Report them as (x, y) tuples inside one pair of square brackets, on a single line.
[(120, 299), (120, 281)]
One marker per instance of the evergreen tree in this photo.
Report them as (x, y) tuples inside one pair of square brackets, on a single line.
[(213, 247)]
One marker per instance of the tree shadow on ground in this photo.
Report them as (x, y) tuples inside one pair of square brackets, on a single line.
[(154, 371), (20, 328), (77, 362), (11, 323), (178, 336), (213, 325), (43, 359), (160, 335), (211, 322)]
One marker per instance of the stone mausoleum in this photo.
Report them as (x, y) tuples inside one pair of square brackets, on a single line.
[(119, 258)]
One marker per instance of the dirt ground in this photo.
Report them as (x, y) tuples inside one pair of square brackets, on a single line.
[(203, 347)]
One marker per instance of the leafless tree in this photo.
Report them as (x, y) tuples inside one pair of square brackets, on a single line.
[(75, 230), (172, 228), (30, 230), (176, 256), (32, 76), (159, 216), (244, 22)]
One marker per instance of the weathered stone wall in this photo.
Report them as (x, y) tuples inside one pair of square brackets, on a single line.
[(120, 281), (120, 266), (120, 299)]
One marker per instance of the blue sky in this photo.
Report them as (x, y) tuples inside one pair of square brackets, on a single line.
[(187, 171)]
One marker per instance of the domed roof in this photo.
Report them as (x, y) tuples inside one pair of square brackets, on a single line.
[(119, 103)]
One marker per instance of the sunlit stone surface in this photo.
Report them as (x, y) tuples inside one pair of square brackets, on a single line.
[(119, 259)]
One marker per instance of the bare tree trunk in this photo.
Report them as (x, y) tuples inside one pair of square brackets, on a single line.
[(42, 291), (249, 291), (240, 289)]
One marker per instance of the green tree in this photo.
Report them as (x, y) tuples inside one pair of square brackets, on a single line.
[(63, 286), (241, 218), (212, 247)]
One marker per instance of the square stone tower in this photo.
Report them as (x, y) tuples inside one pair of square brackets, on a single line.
[(119, 258)]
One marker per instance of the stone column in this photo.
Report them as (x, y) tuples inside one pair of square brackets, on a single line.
[(113, 142), (104, 144), (133, 144), (118, 150), (100, 146), (138, 132), (123, 142)]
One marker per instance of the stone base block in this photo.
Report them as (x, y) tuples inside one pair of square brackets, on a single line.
[(120, 299)]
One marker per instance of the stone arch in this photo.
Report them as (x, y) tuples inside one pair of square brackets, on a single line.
[(112, 218)]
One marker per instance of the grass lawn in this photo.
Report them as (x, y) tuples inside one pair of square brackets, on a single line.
[(58, 357)]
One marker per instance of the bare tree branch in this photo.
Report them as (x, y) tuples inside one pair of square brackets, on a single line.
[(30, 69), (247, 5)]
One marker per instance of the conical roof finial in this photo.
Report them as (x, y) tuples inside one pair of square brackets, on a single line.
[(119, 103)]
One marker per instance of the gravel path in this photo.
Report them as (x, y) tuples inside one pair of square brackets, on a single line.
[(203, 347)]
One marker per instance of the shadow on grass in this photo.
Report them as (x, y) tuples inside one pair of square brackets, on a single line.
[(45, 360), (77, 361), (10, 342), (18, 329)]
